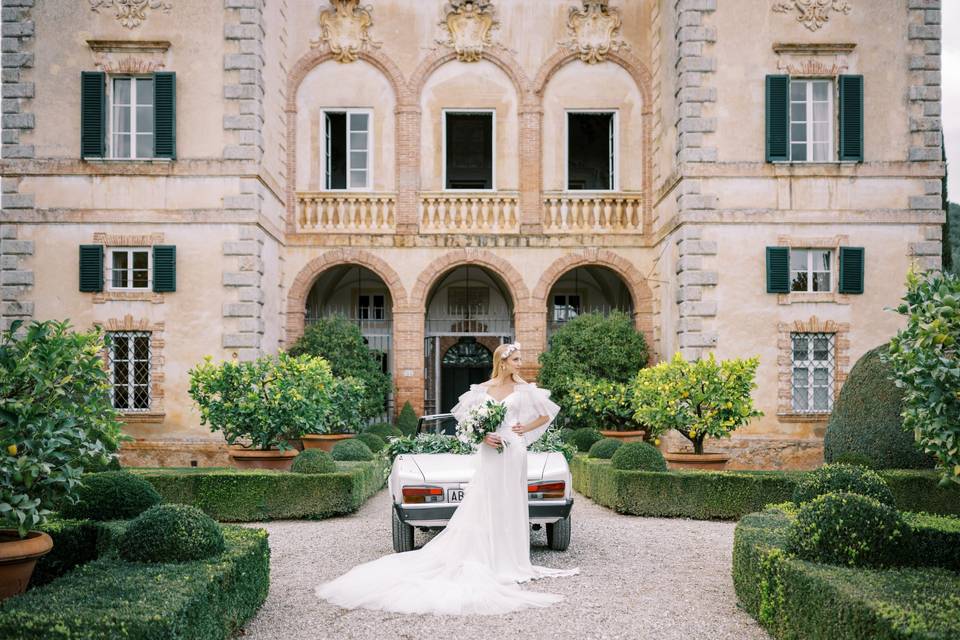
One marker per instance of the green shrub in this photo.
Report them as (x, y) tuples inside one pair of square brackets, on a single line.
[(407, 420), (112, 464), (110, 598), (171, 533), (926, 365), (550, 441), (847, 529), (427, 443), (602, 404), (605, 448), (866, 425), (584, 438), (75, 542), (351, 449), (372, 440), (56, 417), (934, 541), (638, 456), (338, 340), (854, 459), (313, 461), (846, 478), (111, 495), (384, 430), (566, 434)]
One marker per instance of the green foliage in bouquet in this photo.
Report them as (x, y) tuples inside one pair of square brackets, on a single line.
[(551, 441)]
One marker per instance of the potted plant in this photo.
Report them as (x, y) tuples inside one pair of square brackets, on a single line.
[(606, 405), (261, 405), (698, 399), (55, 417), (342, 416)]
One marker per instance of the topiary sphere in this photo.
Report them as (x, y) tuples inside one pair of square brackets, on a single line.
[(313, 461), (351, 450), (171, 533), (847, 529), (111, 495), (855, 459), (384, 430), (843, 477), (638, 456), (372, 440), (605, 448), (583, 439), (866, 419), (566, 434)]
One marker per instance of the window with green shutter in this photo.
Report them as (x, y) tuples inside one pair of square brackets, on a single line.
[(91, 267), (93, 114), (165, 115), (778, 269), (164, 268), (851, 118), (778, 118), (851, 269)]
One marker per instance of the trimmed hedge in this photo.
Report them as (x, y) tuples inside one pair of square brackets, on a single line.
[(110, 598), (75, 542), (385, 430), (374, 442), (792, 598), (842, 477), (585, 438), (171, 533), (229, 495), (604, 449), (731, 495), (639, 456), (934, 541), (314, 461), (351, 450), (111, 495)]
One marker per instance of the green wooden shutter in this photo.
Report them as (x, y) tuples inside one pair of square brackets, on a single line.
[(91, 267), (778, 118), (778, 269), (165, 115), (851, 269), (851, 118), (93, 114), (164, 268)]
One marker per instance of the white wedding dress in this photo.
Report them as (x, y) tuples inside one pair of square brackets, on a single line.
[(474, 565)]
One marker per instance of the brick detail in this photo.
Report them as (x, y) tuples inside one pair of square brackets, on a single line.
[(841, 358), (18, 89), (157, 362), (243, 66), (16, 277), (694, 66), (924, 35)]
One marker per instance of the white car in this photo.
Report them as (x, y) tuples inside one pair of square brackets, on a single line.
[(426, 488)]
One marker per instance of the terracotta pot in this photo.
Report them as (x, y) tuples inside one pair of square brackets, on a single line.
[(711, 461), (324, 441), (244, 458), (18, 556), (624, 436)]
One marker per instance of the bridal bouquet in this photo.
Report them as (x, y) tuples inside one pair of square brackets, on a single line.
[(480, 421)]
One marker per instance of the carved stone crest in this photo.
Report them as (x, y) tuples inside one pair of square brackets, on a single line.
[(813, 13), (345, 28), (469, 25), (131, 13), (594, 31)]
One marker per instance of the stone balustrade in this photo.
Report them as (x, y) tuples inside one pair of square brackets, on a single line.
[(345, 212), (565, 212), (473, 212)]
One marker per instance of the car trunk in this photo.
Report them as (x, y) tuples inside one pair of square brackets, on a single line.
[(449, 467)]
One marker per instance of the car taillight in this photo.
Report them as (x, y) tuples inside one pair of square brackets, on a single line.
[(422, 495), (545, 490)]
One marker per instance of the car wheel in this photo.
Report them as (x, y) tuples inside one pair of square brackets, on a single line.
[(558, 534), (402, 534)]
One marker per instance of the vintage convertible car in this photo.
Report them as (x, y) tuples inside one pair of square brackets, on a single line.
[(426, 488)]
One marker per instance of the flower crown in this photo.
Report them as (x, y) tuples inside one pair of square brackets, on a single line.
[(511, 347)]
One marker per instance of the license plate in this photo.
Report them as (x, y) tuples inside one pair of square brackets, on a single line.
[(454, 495)]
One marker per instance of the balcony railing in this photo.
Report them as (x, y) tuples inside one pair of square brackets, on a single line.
[(475, 212), (564, 212), (345, 212)]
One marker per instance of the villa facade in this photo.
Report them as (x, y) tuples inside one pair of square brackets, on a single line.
[(747, 178)]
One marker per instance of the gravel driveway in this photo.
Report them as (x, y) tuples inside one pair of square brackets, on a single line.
[(654, 578)]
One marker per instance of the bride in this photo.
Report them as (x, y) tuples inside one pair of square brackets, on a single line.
[(474, 565)]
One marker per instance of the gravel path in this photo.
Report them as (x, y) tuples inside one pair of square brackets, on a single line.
[(639, 578)]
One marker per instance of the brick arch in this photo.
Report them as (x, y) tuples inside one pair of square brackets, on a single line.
[(474, 257), (629, 62), (499, 57), (300, 288)]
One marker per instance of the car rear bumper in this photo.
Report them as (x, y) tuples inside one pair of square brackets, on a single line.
[(541, 512)]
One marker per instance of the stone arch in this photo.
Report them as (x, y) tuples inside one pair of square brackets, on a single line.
[(300, 288), (500, 58), (630, 63), (499, 266)]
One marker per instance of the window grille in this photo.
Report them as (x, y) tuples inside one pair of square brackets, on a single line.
[(129, 359), (813, 372)]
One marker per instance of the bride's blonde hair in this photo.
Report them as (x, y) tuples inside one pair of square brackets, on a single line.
[(502, 352)]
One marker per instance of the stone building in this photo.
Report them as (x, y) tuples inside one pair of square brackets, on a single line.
[(747, 177)]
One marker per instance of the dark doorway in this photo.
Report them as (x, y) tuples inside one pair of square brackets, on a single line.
[(465, 363), (469, 150), (590, 146)]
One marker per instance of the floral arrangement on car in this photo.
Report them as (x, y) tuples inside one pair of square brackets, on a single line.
[(480, 421)]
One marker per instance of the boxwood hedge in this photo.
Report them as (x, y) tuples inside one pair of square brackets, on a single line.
[(230, 495), (733, 494), (792, 598), (110, 598)]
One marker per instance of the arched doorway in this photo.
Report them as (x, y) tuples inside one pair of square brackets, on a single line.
[(586, 289), (469, 312)]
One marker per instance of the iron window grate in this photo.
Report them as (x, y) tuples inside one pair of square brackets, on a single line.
[(813, 356), (129, 356)]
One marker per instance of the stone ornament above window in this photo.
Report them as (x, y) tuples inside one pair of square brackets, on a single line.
[(469, 25), (131, 13), (594, 31), (813, 13), (828, 59), (129, 56), (345, 29)]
